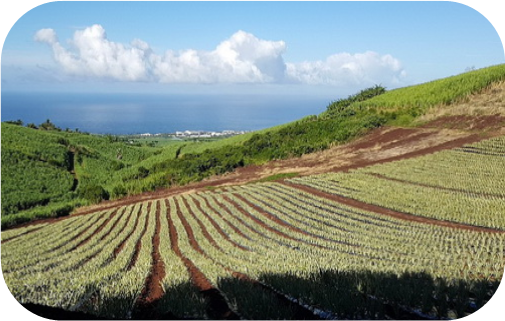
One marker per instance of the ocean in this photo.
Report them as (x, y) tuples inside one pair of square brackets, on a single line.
[(145, 113)]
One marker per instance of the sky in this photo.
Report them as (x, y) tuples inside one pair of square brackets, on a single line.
[(312, 48)]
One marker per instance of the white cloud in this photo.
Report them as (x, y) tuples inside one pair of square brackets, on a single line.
[(243, 58), (346, 69), (46, 35)]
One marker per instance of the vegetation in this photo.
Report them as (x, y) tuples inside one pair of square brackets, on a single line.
[(417, 99), (463, 185), (254, 243), (344, 120), (46, 167), (270, 249)]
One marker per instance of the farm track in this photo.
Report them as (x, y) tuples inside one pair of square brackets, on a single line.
[(379, 146), (417, 153), (386, 211)]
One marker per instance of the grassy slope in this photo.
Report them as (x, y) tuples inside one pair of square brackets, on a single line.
[(39, 163)]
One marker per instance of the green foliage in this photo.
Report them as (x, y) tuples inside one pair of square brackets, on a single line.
[(341, 107), (39, 166), (93, 193), (48, 125), (51, 210), (440, 92), (18, 122), (42, 168)]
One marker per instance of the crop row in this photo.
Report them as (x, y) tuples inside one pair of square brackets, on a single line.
[(278, 254), (456, 169), (249, 243), (450, 185)]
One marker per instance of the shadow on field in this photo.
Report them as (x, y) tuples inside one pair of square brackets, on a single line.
[(372, 295), (338, 294)]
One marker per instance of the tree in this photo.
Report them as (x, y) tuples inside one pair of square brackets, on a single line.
[(18, 122), (48, 125)]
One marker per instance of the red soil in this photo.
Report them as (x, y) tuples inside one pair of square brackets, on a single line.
[(469, 122), (236, 229), (153, 291), (96, 231), (205, 233), (259, 222), (458, 190)]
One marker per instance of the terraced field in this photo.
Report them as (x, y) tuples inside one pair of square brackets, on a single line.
[(418, 238)]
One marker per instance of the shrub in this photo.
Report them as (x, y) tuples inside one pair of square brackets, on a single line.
[(93, 193)]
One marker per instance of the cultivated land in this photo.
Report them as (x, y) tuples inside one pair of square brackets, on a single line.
[(402, 222)]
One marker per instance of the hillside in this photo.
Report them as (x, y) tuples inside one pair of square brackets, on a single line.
[(379, 208), (49, 172)]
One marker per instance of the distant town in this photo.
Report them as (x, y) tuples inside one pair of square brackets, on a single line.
[(193, 134)]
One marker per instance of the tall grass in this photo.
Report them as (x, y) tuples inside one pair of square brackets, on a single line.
[(438, 92)]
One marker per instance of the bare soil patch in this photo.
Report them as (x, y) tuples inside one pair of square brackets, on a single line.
[(203, 229), (138, 246), (96, 231), (466, 122), (259, 222), (458, 190)]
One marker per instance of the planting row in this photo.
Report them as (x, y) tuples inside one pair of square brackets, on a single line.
[(252, 250), (451, 185)]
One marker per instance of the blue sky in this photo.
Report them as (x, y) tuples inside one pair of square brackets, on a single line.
[(261, 47)]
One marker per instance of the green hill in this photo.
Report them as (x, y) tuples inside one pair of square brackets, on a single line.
[(47, 172)]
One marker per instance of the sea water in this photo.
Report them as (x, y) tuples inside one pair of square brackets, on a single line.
[(155, 113)]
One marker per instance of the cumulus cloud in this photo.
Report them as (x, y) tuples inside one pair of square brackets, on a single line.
[(344, 69), (46, 35), (243, 58)]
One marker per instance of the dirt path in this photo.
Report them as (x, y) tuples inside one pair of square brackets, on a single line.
[(146, 304)]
